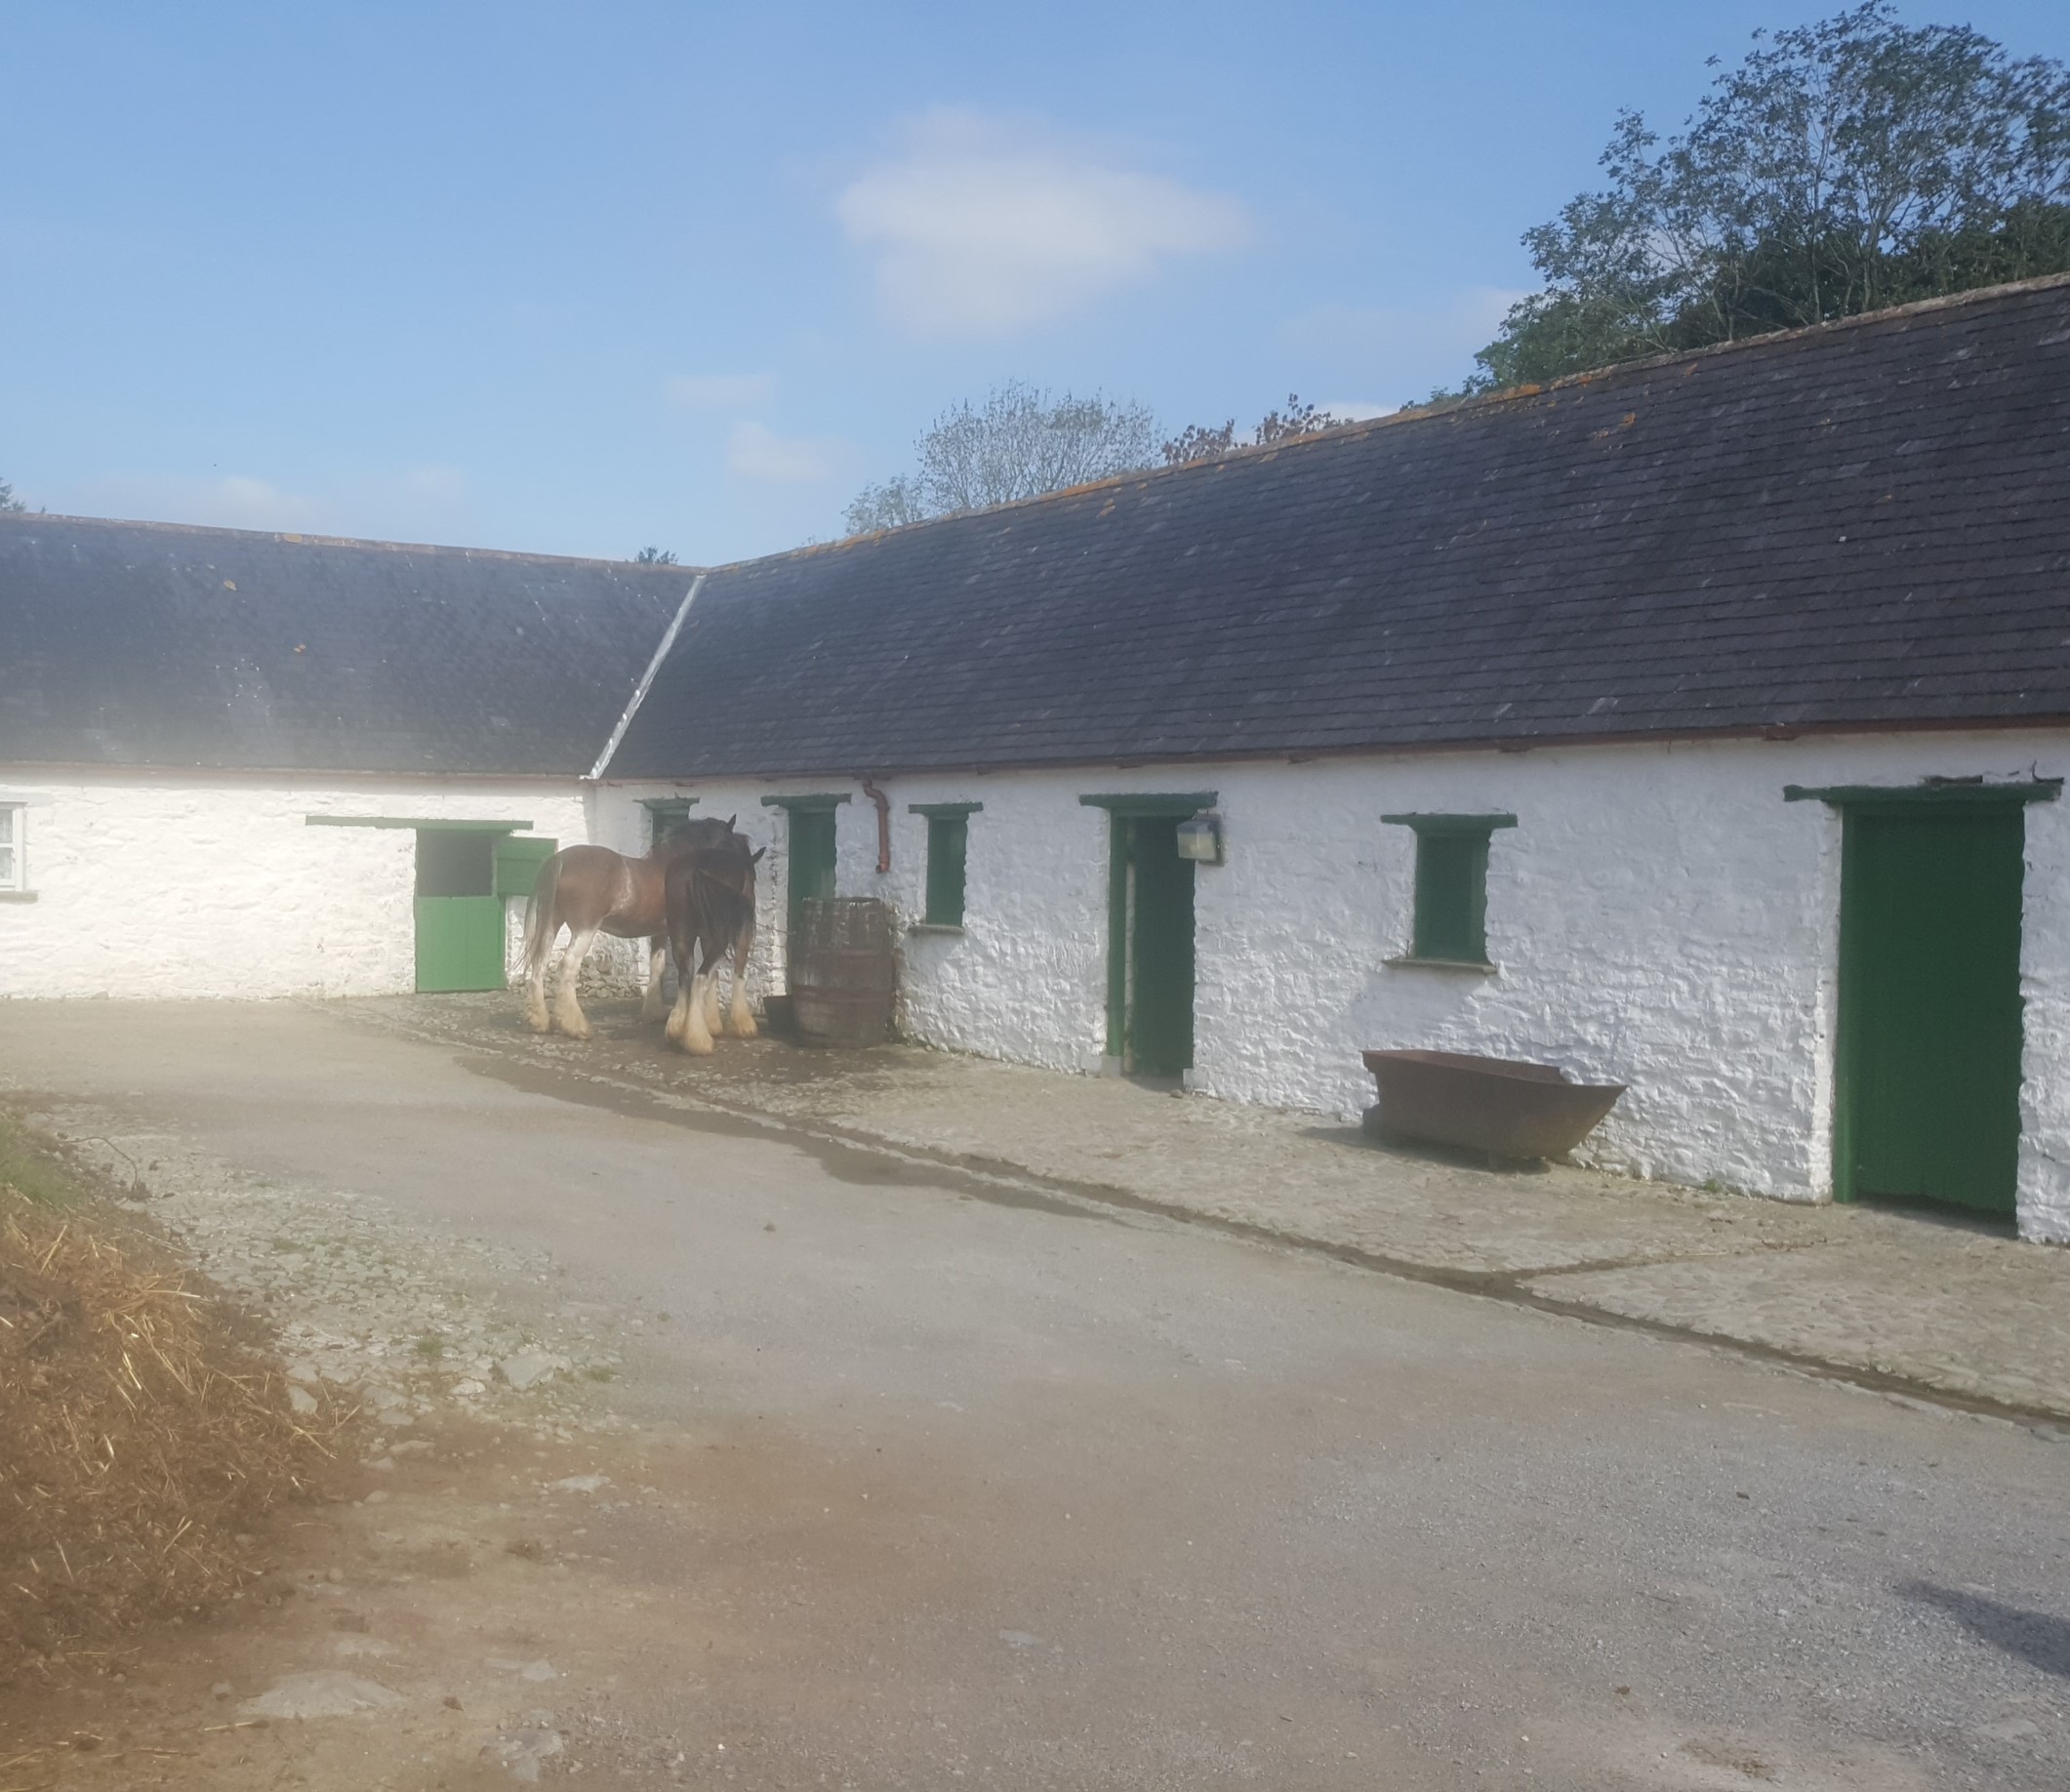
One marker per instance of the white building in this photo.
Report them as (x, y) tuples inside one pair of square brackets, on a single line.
[(1696, 725), (241, 764)]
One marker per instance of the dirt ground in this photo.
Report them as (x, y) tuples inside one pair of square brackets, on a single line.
[(835, 1467)]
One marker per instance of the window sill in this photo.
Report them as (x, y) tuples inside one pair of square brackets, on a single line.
[(1480, 967), (18, 895), (935, 927)]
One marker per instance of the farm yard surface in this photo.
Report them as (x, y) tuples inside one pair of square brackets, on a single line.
[(1912, 1301), (785, 1421)]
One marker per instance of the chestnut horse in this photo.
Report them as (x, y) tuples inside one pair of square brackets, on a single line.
[(591, 890), (708, 894)]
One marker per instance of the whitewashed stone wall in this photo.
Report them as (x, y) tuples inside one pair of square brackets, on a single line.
[(218, 887), (1660, 916)]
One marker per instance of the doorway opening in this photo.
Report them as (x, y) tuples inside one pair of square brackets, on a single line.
[(1927, 1080), (1150, 934), (459, 917)]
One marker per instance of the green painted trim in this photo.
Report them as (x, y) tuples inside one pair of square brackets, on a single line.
[(426, 824), (1408, 961), (1925, 795), (1117, 938), (947, 809), (1451, 824), (1155, 804), (817, 802)]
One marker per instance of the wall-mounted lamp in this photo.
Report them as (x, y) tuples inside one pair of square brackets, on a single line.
[(1200, 837)]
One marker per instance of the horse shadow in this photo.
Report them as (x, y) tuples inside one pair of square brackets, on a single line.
[(2036, 1638)]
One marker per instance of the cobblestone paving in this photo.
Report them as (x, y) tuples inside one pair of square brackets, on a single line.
[(1931, 1304)]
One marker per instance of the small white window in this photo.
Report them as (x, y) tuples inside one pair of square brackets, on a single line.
[(14, 865)]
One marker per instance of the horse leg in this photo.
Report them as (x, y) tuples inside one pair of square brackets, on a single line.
[(693, 1034), (741, 1022), (568, 1013), (650, 1007), (715, 1025), (536, 1016)]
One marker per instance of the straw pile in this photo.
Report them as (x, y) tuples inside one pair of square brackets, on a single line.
[(138, 1435)]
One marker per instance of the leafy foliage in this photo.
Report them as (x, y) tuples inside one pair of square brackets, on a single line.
[(1844, 166), (1020, 442), (655, 556), (7, 500), (1199, 442)]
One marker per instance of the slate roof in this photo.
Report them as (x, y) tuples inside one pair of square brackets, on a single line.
[(151, 644), (1863, 525)]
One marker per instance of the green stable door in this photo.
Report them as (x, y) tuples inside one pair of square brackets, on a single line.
[(459, 917), (1151, 948), (1930, 1006), (811, 868)]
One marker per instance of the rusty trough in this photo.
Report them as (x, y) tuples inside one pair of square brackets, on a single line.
[(1506, 1107)]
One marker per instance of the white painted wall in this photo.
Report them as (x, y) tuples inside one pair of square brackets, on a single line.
[(217, 887), (1660, 916)]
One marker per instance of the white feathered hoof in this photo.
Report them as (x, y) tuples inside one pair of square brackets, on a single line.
[(536, 1015)]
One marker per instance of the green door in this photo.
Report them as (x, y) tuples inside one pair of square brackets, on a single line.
[(1930, 1006), (811, 870), (1151, 937), (459, 917)]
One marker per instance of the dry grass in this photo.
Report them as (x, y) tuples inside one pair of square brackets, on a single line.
[(139, 1434)]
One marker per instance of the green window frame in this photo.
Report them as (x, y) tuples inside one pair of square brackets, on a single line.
[(1450, 921), (948, 856), (664, 813)]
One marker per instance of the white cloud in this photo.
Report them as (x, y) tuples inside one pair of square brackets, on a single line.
[(755, 451), (981, 228), (1358, 410), (718, 391)]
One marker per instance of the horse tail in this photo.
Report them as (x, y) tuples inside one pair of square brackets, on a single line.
[(541, 921)]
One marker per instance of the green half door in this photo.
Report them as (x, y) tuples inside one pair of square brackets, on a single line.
[(810, 871), (1930, 1006), (1151, 940), (459, 917)]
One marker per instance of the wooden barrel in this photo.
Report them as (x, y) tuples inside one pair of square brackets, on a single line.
[(843, 971)]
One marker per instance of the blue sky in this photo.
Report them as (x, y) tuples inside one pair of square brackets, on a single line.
[(578, 278)]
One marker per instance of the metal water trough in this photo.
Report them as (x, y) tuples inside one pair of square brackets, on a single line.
[(1503, 1105)]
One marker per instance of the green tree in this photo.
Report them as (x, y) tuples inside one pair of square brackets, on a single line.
[(1020, 442), (1201, 442), (655, 556), (7, 500), (1842, 167)]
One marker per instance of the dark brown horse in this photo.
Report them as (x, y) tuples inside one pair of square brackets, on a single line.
[(708, 893), (591, 890)]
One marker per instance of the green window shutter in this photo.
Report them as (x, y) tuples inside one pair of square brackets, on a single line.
[(1451, 884), (518, 864), (1451, 897), (948, 843)]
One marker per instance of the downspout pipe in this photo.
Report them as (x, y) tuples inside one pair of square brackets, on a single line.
[(883, 825), (639, 690)]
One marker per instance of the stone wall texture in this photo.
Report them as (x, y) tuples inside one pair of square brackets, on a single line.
[(1660, 916), (218, 887)]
